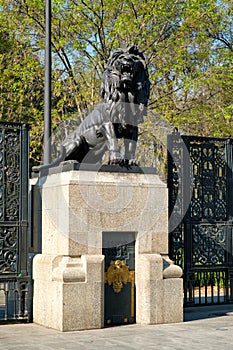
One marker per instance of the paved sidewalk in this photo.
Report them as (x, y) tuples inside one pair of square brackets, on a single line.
[(205, 329)]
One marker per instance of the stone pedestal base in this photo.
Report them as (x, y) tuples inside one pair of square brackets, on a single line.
[(77, 207), (160, 299), (68, 292)]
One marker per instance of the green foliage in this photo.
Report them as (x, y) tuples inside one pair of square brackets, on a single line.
[(189, 51)]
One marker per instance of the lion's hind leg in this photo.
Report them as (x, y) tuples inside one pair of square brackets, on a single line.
[(76, 149)]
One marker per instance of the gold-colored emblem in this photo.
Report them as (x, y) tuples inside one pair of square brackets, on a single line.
[(117, 274)]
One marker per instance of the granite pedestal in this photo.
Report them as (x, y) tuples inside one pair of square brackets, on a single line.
[(78, 205)]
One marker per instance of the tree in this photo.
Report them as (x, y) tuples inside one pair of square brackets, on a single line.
[(21, 86), (188, 46)]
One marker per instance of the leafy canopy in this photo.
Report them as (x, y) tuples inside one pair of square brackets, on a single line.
[(188, 46)]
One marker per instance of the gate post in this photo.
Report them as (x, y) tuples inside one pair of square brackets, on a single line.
[(78, 206)]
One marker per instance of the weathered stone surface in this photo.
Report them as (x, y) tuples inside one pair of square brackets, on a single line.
[(78, 206), (160, 300), (172, 300), (170, 270), (68, 292)]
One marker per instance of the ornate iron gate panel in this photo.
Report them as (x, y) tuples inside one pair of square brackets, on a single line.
[(201, 237), (15, 287)]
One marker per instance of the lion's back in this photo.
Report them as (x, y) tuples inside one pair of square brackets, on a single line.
[(95, 118)]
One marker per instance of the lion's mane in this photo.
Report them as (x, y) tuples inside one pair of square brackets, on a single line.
[(134, 93)]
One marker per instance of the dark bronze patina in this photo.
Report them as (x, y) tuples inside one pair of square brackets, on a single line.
[(125, 90)]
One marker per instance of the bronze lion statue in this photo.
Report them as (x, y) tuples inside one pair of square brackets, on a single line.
[(125, 91)]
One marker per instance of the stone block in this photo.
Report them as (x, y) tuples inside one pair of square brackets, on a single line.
[(79, 202), (68, 292), (149, 288), (78, 206), (159, 300), (172, 301)]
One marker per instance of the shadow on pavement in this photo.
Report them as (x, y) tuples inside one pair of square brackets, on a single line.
[(205, 312)]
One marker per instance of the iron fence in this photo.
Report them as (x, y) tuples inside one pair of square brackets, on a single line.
[(15, 282), (201, 238)]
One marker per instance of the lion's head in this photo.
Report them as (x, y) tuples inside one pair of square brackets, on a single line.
[(126, 81)]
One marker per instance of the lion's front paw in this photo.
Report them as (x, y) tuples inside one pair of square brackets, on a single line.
[(116, 161), (131, 162), (115, 158)]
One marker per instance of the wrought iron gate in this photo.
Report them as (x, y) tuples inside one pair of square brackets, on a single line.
[(201, 225), (15, 286)]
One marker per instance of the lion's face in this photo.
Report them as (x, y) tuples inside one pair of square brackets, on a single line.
[(126, 80), (129, 68)]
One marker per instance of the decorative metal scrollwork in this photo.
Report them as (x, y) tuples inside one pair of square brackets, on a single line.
[(10, 187), (14, 279), (10, 146), (210, 179), (202, 242), (209, 245), (8, 249)]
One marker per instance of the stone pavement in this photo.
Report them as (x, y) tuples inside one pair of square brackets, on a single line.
[(204, 329)]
